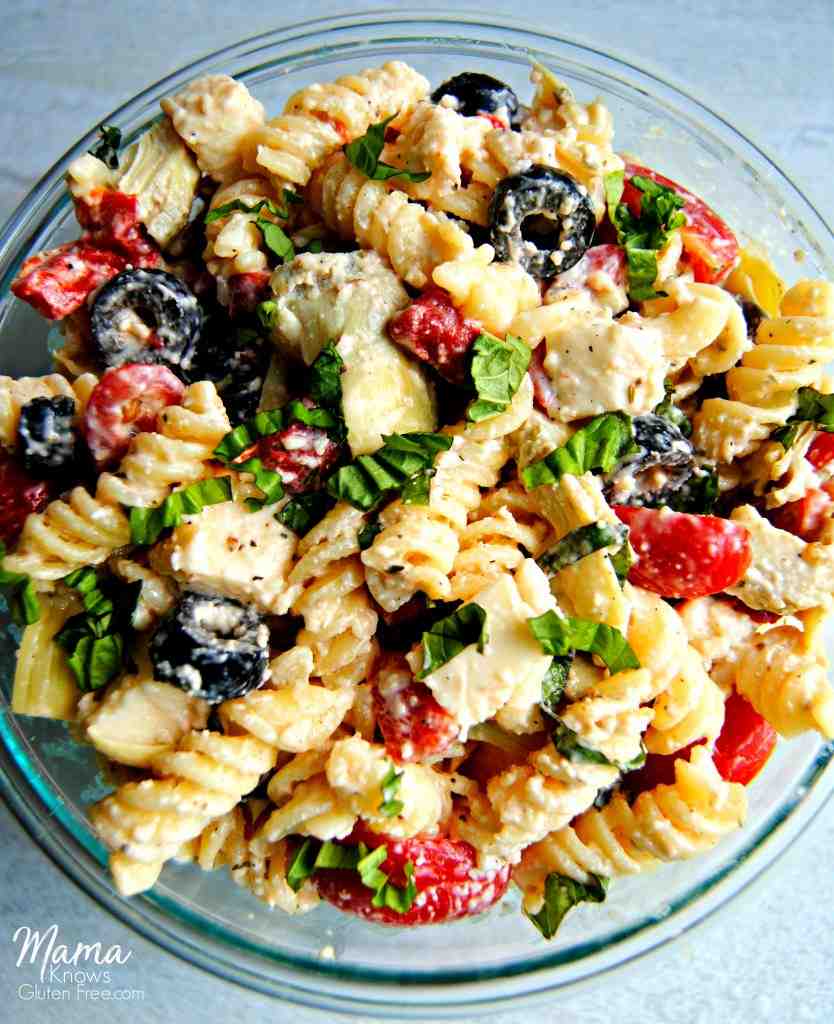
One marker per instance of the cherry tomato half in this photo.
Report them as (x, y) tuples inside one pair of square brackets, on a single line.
[(683, 555), (710, 247), (821, 450), (804, 517), (745, 743)]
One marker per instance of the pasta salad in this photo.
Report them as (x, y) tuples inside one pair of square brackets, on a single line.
[(427, 498)]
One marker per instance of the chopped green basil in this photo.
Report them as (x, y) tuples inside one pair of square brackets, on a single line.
[(560, 895), (389, 787), (366, 481), (498, 368), (553, 684), (326, 378), (366, 536), (560, 635), (364, 154), (671, 413), (267, 313), (599, 445), (146, 524), (273, 235), (583, 541), (303, 511), (569, 745), (21, 597), (449, 636), (811, 407)]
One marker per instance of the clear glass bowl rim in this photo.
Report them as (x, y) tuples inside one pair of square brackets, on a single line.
[(325, 984)]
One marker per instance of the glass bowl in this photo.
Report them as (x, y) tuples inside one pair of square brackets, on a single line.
[(487, 962)]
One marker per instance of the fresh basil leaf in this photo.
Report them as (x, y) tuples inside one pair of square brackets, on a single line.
[(366, 536), (268, 482), (146, 524), (396, 899), (107, 148), (276, 239), (560, 635), (671, 413), (298, 412), (622, 561), (369, 870), (335, 856), (417, 489), (599, 445), (497, 370), (221, 212), (326, 378), (811, 407), (553, 684), (698, 495), (366, 481), (389, 787), (303, 511), (449, 636), (364, 154), (292, 198), (613, 184), (267, 313), (244, 436), (302, 865), (642, 273), (580, 543), (315, 246), (561, 894), (21, 597), (567, 742)]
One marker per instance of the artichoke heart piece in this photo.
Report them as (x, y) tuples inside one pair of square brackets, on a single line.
[(160, 171)]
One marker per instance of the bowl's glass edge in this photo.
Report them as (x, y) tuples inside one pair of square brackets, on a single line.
[(43, 202)]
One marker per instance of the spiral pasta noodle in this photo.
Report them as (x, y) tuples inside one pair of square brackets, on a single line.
[(414, 240), (418, 544), (326, 587), (668, 823), (234, 245), (44, 685), (15, 393), (784, 675), (86, 530), (790, 352), (319, 119)]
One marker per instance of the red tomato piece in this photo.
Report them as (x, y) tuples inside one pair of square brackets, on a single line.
[(448, 881), (433, 330), (413, 724), (20, 494), (806, 517), (710, 247), (301, 455), (683, 555), (821, 450), (57, 282), (111, 220), (246, 291), (125, 402), (745, 743), (494, 120)]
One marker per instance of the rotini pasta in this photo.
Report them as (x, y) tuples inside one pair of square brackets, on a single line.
[(44, 684), (15, 393)]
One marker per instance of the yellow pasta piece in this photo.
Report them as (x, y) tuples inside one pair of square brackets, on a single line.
[(44, 684)]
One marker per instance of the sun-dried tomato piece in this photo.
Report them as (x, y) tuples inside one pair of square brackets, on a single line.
[(57, 282), (301, 455), (413, 724), (20, 494), (111, 220), (433, 330)]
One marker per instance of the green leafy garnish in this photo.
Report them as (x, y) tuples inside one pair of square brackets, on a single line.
[(303, 511), (107, 148), (599, 445), (326, 378), (368, 533), (569, 745), (95, 639), (267, 313), (668, 411), (811, 407), (244, 436), (698, 495), (642, 237), (498, 368), (366, 481), (21, 597), (449, 636), (313, 856), (560, 635), (390, 785), (146, 524), (273, 235), (553, 684), (583, 541), (364, 154), (560, 895)]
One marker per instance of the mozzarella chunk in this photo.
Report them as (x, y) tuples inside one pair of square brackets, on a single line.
[(786, 574), (473, 686), (598, 364), (228, 550)]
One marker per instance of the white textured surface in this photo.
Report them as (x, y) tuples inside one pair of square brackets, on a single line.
[(766, 65)]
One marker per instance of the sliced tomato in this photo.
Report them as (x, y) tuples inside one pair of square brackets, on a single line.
[(745, 743), (413, 724), (806, 516), (20, 495), (448, 882), (710, 247), (126, 401), (683, 555), (56, 283), (111, 220), (821, 450)]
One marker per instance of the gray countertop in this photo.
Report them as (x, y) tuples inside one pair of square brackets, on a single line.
[(63, 66)]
